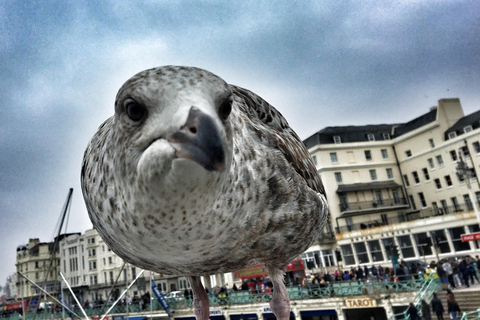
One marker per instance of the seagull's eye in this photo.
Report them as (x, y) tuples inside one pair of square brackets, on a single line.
[(135, 111), (225, 109)]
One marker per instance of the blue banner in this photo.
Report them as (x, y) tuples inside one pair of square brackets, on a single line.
[(160, 297)]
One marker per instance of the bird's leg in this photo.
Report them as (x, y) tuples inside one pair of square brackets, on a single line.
[(200, 299), (280, 303)]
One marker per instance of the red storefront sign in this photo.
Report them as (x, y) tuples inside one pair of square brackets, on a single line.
[(470, 237)]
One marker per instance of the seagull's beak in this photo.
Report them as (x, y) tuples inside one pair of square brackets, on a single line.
[(200, 140)]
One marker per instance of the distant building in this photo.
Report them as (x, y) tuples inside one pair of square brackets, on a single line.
[(39, 261), (393, 188)]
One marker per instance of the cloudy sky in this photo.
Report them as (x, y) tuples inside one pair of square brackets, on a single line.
[(321, 63)]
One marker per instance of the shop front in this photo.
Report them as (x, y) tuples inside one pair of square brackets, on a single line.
[(319, 315), (363, 309)]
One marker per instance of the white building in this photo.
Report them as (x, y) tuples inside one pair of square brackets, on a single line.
[(393, 186)]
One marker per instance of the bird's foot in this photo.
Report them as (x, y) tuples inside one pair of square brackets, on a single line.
[(280, 303), (201, 304)]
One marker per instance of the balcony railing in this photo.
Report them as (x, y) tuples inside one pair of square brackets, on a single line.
[(400, 217), (372, 205)]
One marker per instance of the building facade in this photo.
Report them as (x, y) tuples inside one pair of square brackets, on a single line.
[(399, 189), (39, 262)]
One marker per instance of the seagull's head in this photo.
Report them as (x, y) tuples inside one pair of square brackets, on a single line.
[(174, 126)]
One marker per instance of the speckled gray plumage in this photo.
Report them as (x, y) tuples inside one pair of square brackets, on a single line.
[(172, 216)]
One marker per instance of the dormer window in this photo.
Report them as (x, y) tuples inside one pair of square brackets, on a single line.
[(467, 129), (386, 136), (452, 135), (371, 137), (337, 139)]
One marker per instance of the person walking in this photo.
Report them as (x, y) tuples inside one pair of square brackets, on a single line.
[(426, 314), (437, 307), (453, 307), (413, 312)]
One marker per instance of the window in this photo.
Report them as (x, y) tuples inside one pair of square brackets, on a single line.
[(453, 154), (396, 196), (371, 137), (456, 206), (415, 177), (183, 284), (379, 197), (110, 260), (456, 235), (452, 135), (389, 173), (338, 177), (408, 153), (384, 154), (315, 160), (327, 256), (312, 260), (333, 157), (465, 152), (405, 179), (468, 202), (422, 243), (467, 129), (386, 136), (439, 161), (375, 250), (412, 202), (388, 243), (406, 246), (337, 139), (476, 146), (347, 253), (431, 164), (448, 180), (373, 174), (432, 143), (422, 199), (362, 255), (438, 184), (368, 155), (425, 174), (441, 240)]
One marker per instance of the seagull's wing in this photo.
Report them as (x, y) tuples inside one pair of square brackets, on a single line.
[(274, 129)]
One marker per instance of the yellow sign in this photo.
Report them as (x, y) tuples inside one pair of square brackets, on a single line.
[(361, 303)]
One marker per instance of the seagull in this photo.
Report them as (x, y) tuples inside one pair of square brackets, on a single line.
[(194, 176)]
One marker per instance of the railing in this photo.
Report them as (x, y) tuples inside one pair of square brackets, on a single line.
[(471, 315), (370, 205), (403, 217), (431, 284), (334, 289)]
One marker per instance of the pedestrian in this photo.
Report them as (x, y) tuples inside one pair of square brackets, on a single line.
[(471, 271), (426, 314), (437, 307), (413, 312), (453, 307), (442, 274), (463, 271), (447, 266)]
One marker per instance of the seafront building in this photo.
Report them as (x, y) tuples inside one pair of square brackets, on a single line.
[(406, 189)]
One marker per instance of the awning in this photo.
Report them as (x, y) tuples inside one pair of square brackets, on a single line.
[(342, 188)]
